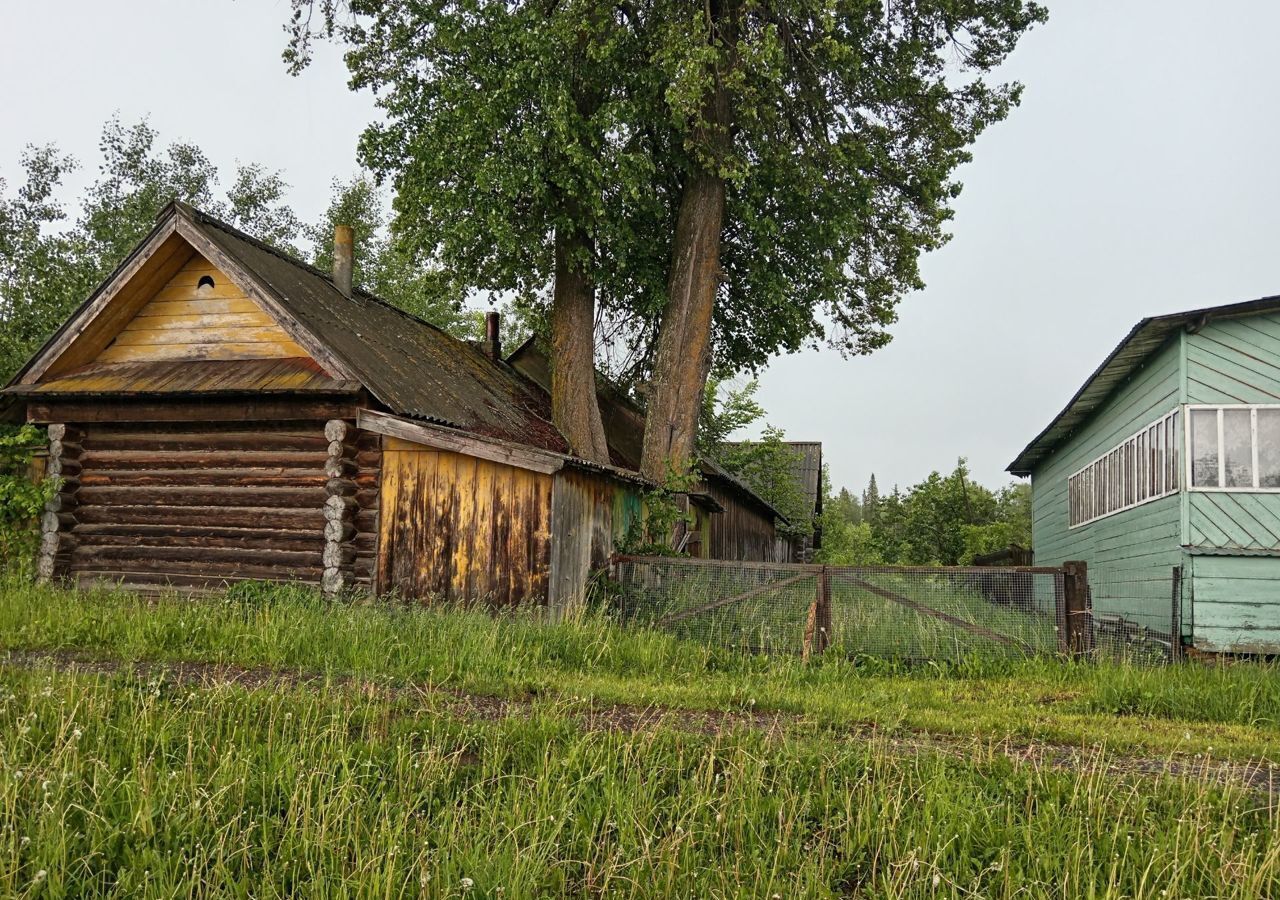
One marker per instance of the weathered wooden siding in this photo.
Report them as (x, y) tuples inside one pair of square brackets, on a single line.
[(185, 320), (1236, 606), (198, 505), (743, 531), (453, 527), (1131, 553), (590, 516)]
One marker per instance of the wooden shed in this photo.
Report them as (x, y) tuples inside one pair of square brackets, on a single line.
[(220, 411), (1168, 458)]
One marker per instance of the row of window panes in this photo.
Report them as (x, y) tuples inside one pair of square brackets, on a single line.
[(1142, 468), (1235, 447)]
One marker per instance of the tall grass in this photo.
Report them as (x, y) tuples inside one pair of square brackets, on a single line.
[(119, 787), (1233, 709)]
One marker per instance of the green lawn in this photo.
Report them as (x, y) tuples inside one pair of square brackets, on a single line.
[(147, 788), (1229, 711), (156, 785)]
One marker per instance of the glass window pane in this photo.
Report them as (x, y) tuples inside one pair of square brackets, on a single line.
[(1269, 448), (1204, 447), (1237, 441)]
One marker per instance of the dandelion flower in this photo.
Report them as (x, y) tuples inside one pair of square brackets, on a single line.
[(467, 884)]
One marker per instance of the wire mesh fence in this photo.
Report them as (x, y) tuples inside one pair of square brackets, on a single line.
[(916, 613), (1137, 613)]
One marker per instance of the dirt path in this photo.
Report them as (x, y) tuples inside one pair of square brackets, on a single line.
[(1262, 778)]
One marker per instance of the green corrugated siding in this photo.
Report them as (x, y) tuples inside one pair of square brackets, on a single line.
[(1237, 604), (1130, 554)]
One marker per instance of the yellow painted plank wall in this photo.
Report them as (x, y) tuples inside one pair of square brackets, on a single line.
[(188, 320), (453, 527)]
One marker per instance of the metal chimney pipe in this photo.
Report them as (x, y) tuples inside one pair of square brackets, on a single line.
[(493, 335), (344, 239)]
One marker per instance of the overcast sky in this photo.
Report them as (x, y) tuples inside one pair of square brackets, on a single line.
[(1138, 177)]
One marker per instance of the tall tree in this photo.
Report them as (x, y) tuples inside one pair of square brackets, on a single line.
[(818, 144), (505, 135), (741, 176)]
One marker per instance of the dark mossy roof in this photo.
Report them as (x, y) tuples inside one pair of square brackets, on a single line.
[(410, 366)]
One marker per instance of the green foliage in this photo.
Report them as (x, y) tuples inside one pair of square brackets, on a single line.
[(943, 520), (505, 122), (22, 497), (768, 464), (665, 508)]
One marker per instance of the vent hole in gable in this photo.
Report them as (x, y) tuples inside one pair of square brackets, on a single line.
[(205, 283)]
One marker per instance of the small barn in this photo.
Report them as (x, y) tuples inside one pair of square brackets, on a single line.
[(220, 411), (1167, 460)]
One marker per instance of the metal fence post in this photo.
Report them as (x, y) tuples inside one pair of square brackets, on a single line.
[(1079, 614), (1175, 618)]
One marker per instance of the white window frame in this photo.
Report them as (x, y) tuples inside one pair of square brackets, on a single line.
[(1116, 481), (1222, 457)]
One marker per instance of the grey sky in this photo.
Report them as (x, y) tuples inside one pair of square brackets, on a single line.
[(1138, 177)]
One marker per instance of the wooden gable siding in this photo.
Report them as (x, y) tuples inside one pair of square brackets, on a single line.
[(1131, 553), (198, 505), (590, 517), (742, 531), (186, 321), (1234, 361), (454, 527)]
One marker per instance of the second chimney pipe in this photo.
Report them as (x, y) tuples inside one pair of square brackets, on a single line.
[(492, 334), (344, 240)]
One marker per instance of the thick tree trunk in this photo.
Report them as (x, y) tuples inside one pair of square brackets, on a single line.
[(575, 408), (683, 356)]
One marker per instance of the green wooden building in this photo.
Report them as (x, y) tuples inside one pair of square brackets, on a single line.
[(1168, 458)]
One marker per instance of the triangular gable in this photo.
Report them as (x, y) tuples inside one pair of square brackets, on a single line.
[(176, 251), (200, 313)]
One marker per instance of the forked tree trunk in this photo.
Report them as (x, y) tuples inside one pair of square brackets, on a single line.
[(682, 359), (683, 355), (575, 408)]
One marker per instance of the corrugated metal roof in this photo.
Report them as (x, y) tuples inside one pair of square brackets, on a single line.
[(292, 375), (1141, 342)]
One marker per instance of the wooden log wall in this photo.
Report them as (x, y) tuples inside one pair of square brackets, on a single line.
[(59, 518), (352, 472), (198, 505), (454, 527)]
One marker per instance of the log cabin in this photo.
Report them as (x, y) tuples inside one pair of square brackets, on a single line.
[(220, 411)]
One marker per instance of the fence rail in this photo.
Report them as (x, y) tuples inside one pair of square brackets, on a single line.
[(916, 612), (905, 612)]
